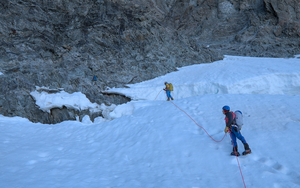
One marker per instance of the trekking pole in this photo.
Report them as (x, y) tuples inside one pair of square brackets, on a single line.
[(157, 95)]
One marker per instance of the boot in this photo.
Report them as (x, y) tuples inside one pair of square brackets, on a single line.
[(172, 98), (235, 151), (247, 149), (168, 99), (246, 145)]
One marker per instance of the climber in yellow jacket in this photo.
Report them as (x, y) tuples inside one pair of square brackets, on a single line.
[(168, 89)]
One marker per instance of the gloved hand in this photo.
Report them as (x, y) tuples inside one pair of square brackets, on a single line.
[(226, 130)]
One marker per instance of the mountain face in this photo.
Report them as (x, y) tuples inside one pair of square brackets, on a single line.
[(62, 44)]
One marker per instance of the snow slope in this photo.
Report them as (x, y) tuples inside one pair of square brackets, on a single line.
[(152, 143), (233, 75)]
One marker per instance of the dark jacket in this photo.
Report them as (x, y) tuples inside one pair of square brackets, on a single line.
[(229, 119)]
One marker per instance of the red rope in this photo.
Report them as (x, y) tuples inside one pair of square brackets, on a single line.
[(238, 160), (157, 95), (214, 140), (198, 124)]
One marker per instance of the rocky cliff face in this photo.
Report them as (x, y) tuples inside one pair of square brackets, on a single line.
[(63, 43)]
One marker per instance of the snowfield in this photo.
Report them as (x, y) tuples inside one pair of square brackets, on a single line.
[(153, 143)]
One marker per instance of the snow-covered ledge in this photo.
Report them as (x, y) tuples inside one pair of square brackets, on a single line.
[(77, 101)]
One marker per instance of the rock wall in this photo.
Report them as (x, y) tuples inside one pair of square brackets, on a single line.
[(64, 43)]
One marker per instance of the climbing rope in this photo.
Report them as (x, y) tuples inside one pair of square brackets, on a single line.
[(237, 160), (198, 124), (213, 139), (157, 95)]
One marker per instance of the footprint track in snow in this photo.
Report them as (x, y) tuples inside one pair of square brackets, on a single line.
[(273, 165)]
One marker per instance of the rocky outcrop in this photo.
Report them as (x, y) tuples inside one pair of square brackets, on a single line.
[(63, 44), (240, 27), (287, 15)]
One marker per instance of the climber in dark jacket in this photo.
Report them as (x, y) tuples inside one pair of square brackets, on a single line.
[(234, 131)]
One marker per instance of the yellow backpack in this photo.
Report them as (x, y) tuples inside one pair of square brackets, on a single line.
[(170, 86)]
